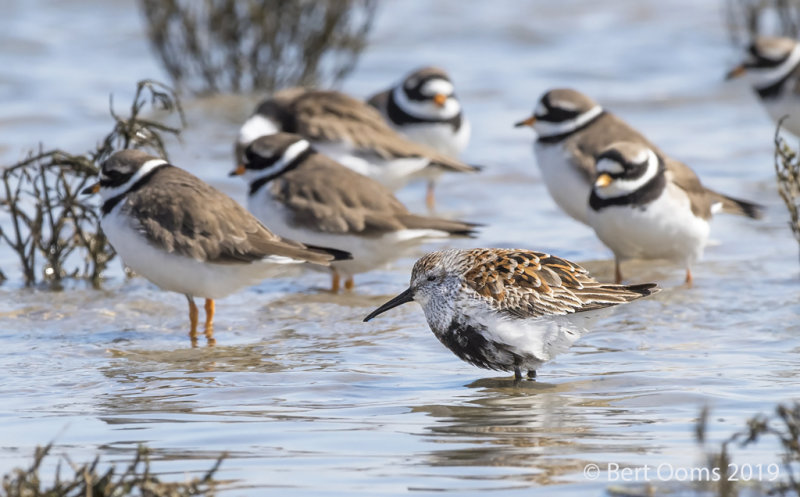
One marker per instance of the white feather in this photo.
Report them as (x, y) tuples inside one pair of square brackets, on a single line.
[(785, 104), (545, 129), (291, 153), (609, 166), (393, 174), (787, 101), (765, 77), (568, 187), (255, 127), (663, 229), (107, 193), (369, 252), (437, 87), (622, 187), (177, 273), (428, 109)]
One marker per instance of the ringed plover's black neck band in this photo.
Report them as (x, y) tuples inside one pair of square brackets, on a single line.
[(639, 198)]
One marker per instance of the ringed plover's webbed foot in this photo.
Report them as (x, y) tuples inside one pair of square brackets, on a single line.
[(531, 374), (209, 328), (349, 284), (689, 279), (617, 272), (193, 316), (430, 199), (335, 282)]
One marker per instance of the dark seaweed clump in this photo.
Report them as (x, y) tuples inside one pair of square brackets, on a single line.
[(88, 480)]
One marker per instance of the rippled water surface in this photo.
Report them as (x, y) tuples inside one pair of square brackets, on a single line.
[(304, 397)]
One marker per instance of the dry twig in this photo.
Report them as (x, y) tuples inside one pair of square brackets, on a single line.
[(245, 45), (748, 19), (137, 479), (54, 230), (787, 168)]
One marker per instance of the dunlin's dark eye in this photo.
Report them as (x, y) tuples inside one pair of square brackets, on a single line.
[(431, 278)]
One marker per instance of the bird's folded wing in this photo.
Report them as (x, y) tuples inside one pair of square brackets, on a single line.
[(188, 217)]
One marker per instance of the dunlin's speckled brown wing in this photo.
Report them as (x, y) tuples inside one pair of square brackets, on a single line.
[(528, 284)]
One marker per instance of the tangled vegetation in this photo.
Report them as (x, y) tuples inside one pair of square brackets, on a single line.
[(787, 168), (88, 481), (784, 427), (244, 45), (53, 229), (747, 19)]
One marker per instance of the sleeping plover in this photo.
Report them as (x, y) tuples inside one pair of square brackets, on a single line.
[(308, 196), (350, 132)]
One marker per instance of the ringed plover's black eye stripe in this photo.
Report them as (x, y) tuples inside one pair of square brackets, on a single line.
[(415, 92), (113, 178), (556, 114), (256, 161)]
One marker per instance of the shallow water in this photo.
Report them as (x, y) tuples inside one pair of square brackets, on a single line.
[(305, 398)]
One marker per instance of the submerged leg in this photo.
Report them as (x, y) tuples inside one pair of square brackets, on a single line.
[(531, 374), (193, 314), (430, 200), (209, 330), (334, 282), (517, 373), (349, 283), (689, 279), (617, 272)]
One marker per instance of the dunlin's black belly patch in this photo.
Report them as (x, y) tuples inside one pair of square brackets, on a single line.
[(468, 341)]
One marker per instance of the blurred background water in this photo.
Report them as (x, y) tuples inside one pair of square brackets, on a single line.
[(306, 399)]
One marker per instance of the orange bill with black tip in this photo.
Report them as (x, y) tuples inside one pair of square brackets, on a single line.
[(526, 122)]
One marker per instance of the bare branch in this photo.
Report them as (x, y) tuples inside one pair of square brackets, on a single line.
[(263, 45), (50, 218)]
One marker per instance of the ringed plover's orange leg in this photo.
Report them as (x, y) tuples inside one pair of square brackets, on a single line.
[(335, 282), (349, 283), (193, 315), (209, 330), (430, 200), (617, 272)]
